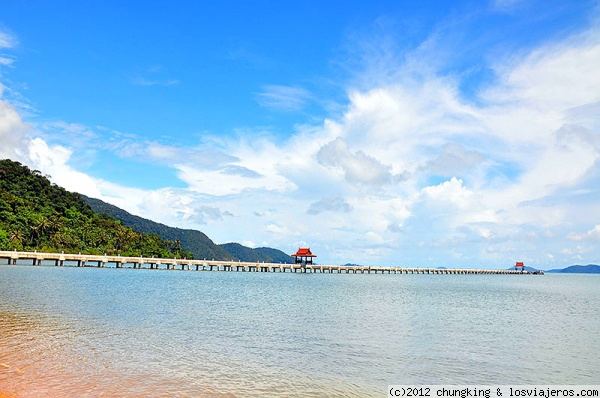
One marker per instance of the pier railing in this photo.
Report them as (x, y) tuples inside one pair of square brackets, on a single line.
[(87, 260)]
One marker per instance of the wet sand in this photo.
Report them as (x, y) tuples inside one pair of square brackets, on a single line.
[(44, 377)]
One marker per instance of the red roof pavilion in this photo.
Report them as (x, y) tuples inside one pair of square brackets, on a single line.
[(304, 255), (520, 264)]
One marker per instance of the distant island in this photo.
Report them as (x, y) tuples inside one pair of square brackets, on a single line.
[(578, 269), (573, 269)]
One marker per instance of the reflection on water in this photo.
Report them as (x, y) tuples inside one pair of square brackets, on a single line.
[(118, 332)]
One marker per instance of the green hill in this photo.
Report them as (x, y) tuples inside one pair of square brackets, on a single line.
[(200, 245), (196, 242), (38, 215), (275, 256), (266, 254)]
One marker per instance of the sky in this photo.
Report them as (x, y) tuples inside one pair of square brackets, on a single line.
[(431, 133)]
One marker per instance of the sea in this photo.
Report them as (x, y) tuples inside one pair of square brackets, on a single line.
[(106, 332)]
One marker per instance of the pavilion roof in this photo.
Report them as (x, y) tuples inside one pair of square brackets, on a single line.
[(303, 252)]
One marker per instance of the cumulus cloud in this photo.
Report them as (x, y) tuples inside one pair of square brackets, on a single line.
[(357, 167), (585, 115), (186, 207), (571, 135), (451, 191), (13, 131), (592, 235), (454, 160), (335, 204), (53, 161)]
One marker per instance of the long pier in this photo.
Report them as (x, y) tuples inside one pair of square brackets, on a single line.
[(85, 260)]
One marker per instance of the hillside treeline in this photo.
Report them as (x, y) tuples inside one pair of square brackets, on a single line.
[(38, 215)]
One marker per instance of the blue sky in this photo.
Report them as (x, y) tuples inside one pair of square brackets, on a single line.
[(458, 133)]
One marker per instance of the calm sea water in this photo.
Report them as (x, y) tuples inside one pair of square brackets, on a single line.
[(137, 333)]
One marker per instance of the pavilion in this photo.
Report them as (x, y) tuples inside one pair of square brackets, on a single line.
[(520, 265), (304, 256)]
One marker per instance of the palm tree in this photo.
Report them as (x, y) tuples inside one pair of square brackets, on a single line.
[(43, 227), (16, 237), (34, 232)]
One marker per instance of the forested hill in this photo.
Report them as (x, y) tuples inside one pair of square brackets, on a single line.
[(196, 242), (200, 245), (38, 215)]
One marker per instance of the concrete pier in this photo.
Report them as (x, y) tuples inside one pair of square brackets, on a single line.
[(85, 260)]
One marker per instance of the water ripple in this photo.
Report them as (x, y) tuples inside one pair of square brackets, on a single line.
[(111, 332)]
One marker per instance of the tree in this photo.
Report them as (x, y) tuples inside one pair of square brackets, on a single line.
[(3, 239), (16, 238)]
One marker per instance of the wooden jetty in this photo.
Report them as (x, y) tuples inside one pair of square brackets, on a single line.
[(85, 260)]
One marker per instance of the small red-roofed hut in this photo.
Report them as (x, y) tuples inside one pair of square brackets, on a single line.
[(304, 256), (519, 265)]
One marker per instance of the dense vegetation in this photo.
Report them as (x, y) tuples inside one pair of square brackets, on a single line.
[(38, 215), (196, 242)]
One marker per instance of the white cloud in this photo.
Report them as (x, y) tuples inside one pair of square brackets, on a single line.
[(155, 75), (450, 192), (231, 179), (6, 61), (249, 243), (53, 161), (357, 167), (7, 40), (228, 167), (13, 131), (553, 78), (592, 235), (283, 98), (454, 160), (142, 81), (72, 134), (336, 204)]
